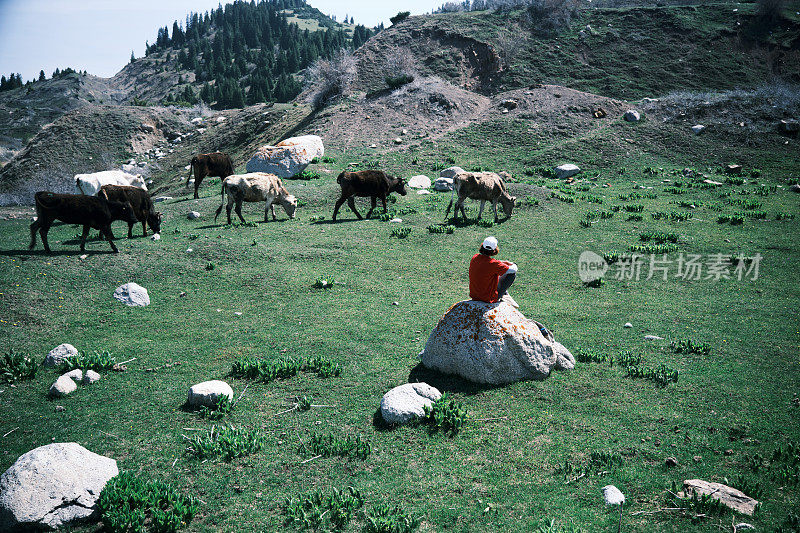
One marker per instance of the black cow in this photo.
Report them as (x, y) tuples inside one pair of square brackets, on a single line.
[(372, 183), (90, 211), (217, 164), (141, 203)]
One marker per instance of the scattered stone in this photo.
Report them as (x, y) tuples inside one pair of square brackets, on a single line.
[(155, 237), (237, 313), (729, 496), (119, 368), (733, 169), (287, 158), (91, 377), (509, 104), (398, 140), (208, 393), (373, 145), (450, 172), (505, 111), (75, 375), (443, 184), (423, 191), (190, 182), (189, 250), (491, 343), (197, 120), (419, 182), (62, 386), (407, 402), (566, 171), (653, 338), (743, 526), (182, 294), (52, 487), (712, 182), (149, 128), (395, 303), (698, 129), (795, 188), (599, 113), (57, 355), (159, 199), (132, 295), (220, 120), (60, 408), (789, 126), (670, 462), (697, 458), (404, 132), (396, 221), (632, 115), (193, 215), (84, 257), (628, 325)]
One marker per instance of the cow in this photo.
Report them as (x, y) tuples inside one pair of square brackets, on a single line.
[(256, 187), (372, 183), (140, 202), (89, 184), (90, 211), (217, 164), (483, 186)]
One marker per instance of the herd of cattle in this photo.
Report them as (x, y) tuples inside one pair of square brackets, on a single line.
[(115, 195)]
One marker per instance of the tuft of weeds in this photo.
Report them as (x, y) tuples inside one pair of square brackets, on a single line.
[(316, 218), (597, 464), (634, 218), (748, 486), (98, 361), (633, 208), (446, 415), (563, 197), (209, 266), (227, 442), (680, 216), (593, 199), (659, 215), (322, 366), (485, 223), (591, 357), (306, 175), (784, 216), (695, 507), (658, 237), (595, 283), (131, 504), (690, 346), (328, 445), (17, 366), (441, 228), (675, 190), (266, 371), (224, 407), (551, 526), (401, 233), (734, 181), (662, 375), (383, 518), (304, 403), (655, 249), (324, 282), (323, 511), (328, 159)]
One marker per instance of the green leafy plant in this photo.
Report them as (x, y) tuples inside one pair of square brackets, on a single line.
[(328, 445), (227, 442), (401, 233), (384, 518), (319, 510), (654, 248), (266, 371), (658, 237), (98, 361), (595, 283), (317, 218), (395, 82), (328, 159), (551, 526), (597, 464), (690, 346), (209, 266), (446, 415), (324, 282), (662, 375), (441, 228), (633, 208), (130, 504), (223, 407), (17, 366), (784, 216), (306, 175), (304, 403)]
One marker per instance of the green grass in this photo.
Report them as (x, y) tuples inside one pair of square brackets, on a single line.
[(737, 396)]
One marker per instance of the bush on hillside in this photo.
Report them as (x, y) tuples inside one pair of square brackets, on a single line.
[(769, 12), (329, 78), (548, 17), (400, 17)]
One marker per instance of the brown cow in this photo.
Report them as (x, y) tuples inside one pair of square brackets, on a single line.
[(140, 202), (372, 183), (256, 187), (217, 164), (483, 186), (90, 211)]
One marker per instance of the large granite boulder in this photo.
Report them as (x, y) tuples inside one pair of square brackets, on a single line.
[(208, 393), (407, 402), (493, 344), (419, 182), (287, 158), (53, 486)]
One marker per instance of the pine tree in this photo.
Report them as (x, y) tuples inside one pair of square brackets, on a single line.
[(42, 77), (133, 57)]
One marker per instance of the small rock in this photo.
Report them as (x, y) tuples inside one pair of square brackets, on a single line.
[(60, 408), (75, 375), (404, 132), (790, 126), (407, 402), (220, 120), (395, 303), (729, 452), (132, 295), (62, 386), (743, 526), (697, 458), (398, 140), (795, 188), (733, 169), (189, 250), (57, 355), (193, 215), (373, 145), (90, 377), (566, 171), (632, 115), (423, 191), (628, 325), (729, 496), (83, 257), (419, 182), (237, 313), (182, 294), (159, 199), (670, 462), (508, 104), (653, 338), (698, 129), (155, 237), (505, 111), (396, 221), (208, 393)]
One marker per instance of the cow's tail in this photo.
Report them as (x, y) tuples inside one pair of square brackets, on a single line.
[(191, 170), (78, 185), (452, 197), (222, 201)]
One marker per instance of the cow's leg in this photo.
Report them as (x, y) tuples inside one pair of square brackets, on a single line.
[(130, 230), (229, 207), (44, 227), (34, 228), (373, 201), (144, 227), (494, 205), (270, 206), (106, 231), (383, 199), (480, 211), (238, 210), (339, 203), (198, 179), (351, 203), (84, 235)]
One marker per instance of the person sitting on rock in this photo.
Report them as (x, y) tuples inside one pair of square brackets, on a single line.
[(489, 279)]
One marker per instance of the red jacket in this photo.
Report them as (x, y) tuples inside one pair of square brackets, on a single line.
[(484, 274)]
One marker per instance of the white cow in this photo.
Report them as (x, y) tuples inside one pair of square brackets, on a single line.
[(256, 187), (89, 184)]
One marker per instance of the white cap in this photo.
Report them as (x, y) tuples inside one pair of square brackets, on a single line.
[(490, 243)]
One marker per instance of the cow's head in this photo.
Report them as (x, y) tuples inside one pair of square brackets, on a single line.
[(119, 210), (398, 186), (289, 203), (508, 202), (138, 181), (154, 221)]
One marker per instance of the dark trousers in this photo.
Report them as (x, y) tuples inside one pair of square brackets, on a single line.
[(504, 283)]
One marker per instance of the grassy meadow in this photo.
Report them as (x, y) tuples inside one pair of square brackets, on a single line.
[(509, 467)]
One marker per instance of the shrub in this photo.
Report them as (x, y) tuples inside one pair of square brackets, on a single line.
[(323, 511), (548, 17), (328, 445), (633, 208), (17, 366), (658, 249), (769, 12), (680, 216), (658, 237), (441, 228), (395, 82), (324, 282), (690, 346), (329, 78), (129, 503), (400, 17), (447, 415), (401, 233), (387, 519), (228, 442), (661, 375), (96, 361), (306, 175)]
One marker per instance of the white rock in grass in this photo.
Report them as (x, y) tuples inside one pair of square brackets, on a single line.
[(628, 325), (208, 393), (698, 129), (396, 221), (156, 237), (75, 375), (62, 386), (132, 295), (406, 402), (58, 354), (443, 184), (90, 377), (653, 338), (450, 172), (193, 215), (423, 191), (566, 171), (612, 495), (419, 182), (631, 115), (53, 486)]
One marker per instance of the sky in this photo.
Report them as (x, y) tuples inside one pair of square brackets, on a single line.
[(99, 35)]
